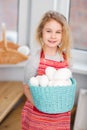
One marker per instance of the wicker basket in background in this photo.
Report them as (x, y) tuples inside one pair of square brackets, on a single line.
[(8, 51)]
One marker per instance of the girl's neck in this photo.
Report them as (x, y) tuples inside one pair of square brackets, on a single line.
[(50, 51)]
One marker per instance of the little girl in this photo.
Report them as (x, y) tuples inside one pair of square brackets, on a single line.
[(53, 34)]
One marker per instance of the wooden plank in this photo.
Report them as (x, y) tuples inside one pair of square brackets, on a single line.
[(13, 120), (10, 93)]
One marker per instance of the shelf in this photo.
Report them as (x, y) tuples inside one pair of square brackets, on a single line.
[(12, 72)]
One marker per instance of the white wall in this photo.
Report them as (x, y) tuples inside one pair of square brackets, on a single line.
[(81, 80)]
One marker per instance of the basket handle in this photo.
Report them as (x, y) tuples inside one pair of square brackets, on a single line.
[(4, 36)]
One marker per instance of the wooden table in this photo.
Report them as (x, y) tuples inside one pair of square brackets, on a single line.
[(10, 94)]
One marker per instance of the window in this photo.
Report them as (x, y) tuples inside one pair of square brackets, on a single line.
[(78, 23), (9, 16), (24, 20)]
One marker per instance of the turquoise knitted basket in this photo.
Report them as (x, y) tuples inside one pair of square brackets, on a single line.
[(54, 100)]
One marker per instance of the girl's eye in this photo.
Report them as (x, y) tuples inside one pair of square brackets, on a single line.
[(48, 31), (58, 32)]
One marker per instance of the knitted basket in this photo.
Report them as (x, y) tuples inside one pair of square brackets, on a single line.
[(54, 100)]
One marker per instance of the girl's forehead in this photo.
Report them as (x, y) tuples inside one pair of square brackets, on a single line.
[(52, 23)]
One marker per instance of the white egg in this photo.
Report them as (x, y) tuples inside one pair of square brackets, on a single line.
[(50, 72), (55, 83), (44, 81), (38, 78), (24, 50), (64, 83), (68, 82), (51, 83), (59, 83), (34, 81), (56, 75), (63, 73)]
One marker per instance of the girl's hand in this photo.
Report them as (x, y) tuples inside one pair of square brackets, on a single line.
[(27, 93)]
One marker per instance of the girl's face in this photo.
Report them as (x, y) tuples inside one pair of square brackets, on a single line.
[(52, 34)]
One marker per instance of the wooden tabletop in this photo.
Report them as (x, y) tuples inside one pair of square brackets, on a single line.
[(10, 94)]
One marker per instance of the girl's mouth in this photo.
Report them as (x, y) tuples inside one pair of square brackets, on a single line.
[(51, 41)]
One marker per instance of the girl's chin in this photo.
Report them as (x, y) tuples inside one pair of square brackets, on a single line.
[(50, 45)]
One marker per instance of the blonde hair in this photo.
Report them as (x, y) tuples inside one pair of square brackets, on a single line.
[(66, 37)]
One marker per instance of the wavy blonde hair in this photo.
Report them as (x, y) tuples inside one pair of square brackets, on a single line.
[(66, 37)]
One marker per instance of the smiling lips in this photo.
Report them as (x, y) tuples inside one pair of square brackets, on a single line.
[(51, 41)]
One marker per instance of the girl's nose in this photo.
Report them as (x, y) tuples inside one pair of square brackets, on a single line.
[(53, 35)]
